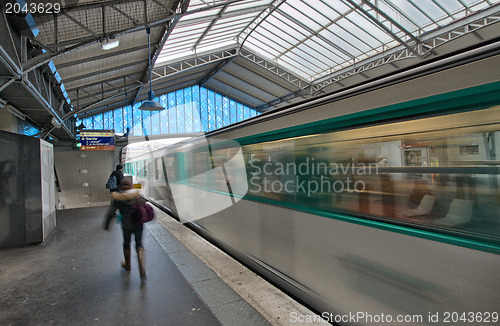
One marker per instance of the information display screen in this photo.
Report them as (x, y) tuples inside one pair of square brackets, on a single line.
[(97, 140)]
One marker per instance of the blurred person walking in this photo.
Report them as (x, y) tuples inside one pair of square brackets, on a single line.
[(131, 224)]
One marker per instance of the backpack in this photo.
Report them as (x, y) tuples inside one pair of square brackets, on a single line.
[(142, 213), (111, 184)]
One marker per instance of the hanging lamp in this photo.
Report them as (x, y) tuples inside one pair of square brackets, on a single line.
[(150, 104)]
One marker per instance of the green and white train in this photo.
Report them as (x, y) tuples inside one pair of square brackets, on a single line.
[(379, 201)]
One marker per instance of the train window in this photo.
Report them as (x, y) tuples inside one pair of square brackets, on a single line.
[(145, 169), (441, 172), (140, 169), (169, 163), (158, 169)]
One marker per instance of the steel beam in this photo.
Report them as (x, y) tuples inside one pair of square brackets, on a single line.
[(385, 28), (275, 69), (42, 59)]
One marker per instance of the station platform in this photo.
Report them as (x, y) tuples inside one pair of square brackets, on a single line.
[(75, 278)]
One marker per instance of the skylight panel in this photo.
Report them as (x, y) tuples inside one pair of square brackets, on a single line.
[(272, 45), (179, 44), (338, 5), (389, 45), (180, 41), (470, 3), (190, 28), (371, 53), (283, 40), (199, 4), (224, 30), (357, 36), (368, 27), (431, 9), (325, 12), (295, 7), (255, 45), (416, 16), (269, 31), (182, 36), (340, 55), (290, 27), (445, 21), (247, 5), (213, 46), (332, 36), (480, 5), (239, 19), (304, 60), (211, 40), (320, 53), (402, 18), (299, 16), (202, 14), (312, 37), (451, 6), (179, 47), (305, 52), (240, 25), (217, 45), (363, 57), (219, 36), (288, 33), (327, 50), (289, 62)]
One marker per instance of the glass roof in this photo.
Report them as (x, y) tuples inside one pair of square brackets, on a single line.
[(311, 38)]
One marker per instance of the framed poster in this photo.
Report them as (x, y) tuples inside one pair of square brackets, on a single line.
[(416, 157), (469, 149)]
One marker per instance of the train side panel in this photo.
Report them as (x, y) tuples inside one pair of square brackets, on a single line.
[(352, 268)]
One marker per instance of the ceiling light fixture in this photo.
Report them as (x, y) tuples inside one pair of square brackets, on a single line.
[(150, 104), (55, 123), (108, 45)]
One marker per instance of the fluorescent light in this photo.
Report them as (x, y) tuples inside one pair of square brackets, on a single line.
[(108, 45), (3, 103), (55, 123)]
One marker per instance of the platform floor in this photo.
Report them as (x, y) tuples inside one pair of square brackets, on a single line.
[(75, 278)]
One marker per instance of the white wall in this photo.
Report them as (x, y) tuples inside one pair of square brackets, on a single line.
[(69, 164)]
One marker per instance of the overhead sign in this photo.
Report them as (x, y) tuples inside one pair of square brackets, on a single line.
[(97, 140)]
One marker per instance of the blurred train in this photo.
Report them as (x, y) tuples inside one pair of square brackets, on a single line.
[(375, 205)]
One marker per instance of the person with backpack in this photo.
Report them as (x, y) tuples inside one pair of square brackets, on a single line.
[(114, 180), (126, 200)]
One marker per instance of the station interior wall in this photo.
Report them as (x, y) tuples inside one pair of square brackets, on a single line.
[(82, 176)]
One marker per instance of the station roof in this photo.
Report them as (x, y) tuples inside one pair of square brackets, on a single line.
[(262, 53)]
